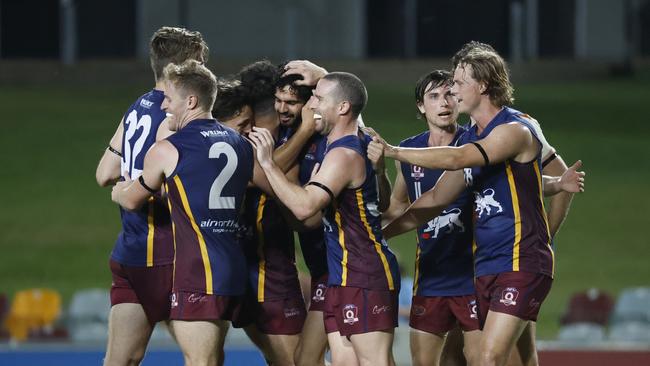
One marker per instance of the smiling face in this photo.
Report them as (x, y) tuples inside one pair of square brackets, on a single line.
[(439, 106), (175, 105), (288, 105), (466, 89), (325, 106)]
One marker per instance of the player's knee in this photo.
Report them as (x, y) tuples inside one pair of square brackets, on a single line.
[(471, 356), (489, 357)]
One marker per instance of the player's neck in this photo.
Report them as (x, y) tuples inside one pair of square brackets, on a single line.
[(343, 128), (194, 115), (484, 113), (160, 85), (441, 136)]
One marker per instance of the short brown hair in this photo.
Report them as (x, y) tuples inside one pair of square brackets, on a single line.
[(175, 45), (193, 78), (490, 68), (349, 89)]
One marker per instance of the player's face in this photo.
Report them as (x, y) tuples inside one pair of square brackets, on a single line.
[(175, 105), (242, 122), (439, 106), (324, 105), (288, 106), (466, 89)]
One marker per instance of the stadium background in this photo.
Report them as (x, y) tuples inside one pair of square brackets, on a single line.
[(580, 67)]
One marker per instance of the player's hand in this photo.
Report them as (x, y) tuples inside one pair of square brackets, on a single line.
[(310, 72), (376, 155), (264, 145), (120, 186), (307, 116), (572, 180)]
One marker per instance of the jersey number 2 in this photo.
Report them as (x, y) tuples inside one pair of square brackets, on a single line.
[(216, 200)]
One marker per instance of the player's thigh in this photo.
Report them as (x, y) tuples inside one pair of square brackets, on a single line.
[(342, 350), (283, 347), (128, 333), (426, 348), (313, 340), (500, 334), (200, 340), (526, 352), (373, 348)]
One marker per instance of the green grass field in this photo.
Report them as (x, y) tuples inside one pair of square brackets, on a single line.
[(58, 226)]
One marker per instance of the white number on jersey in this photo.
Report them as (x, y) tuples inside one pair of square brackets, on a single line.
[(132, 150), (216, 200)]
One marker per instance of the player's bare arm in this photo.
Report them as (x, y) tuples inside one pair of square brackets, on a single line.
[(159, 162), (108, 168), (450, 185), (338, 171), (376, 157), (285, 156), (558, 204), (572, 181), (399, 199), (310, 72)]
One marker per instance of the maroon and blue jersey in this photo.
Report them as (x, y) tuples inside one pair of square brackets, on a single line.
[(269, 246), (443, 261), (205, 193), (357, 254), (312, 241), (146, 236), (511, 229)]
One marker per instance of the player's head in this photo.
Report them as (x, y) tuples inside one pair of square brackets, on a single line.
[(190, 90), (290, 98), (258, 80), (337, 95), (481, 72), (175, 45), (471, 45), (434, 100), (232, 107)]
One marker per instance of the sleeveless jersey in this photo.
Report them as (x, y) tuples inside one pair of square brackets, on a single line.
[(511, 228), (205, 192), (146, 236), (357, 254), (443, 262)]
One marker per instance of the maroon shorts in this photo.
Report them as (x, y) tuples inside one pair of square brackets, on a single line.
[(318, 293), (150, 287), (439, 314), (200, 306), (352, 310), (283, 316), (516, 293)]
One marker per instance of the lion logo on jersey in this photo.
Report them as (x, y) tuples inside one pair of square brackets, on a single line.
[(448, 219), (485, 202)]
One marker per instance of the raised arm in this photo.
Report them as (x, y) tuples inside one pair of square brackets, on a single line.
[(399, 199), (310, 72), (376, 157), (285, 156), (108, 168), (429, 205)]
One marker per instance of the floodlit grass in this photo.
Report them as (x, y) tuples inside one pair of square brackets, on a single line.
[(58, 227)]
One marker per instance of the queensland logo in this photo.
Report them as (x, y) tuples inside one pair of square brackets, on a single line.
[(378, 309), (418, 310), (289, 312), (509, 296), (350, 314), (467, 174), (319, 294), (417, 172), (174, 300), (448, 219), (145, 103), (486, 202), (473, 311)]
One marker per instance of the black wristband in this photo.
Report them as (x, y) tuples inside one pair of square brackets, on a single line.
[(141, 180), (480, 149), (110, 148), (549, 159), (323, 187)]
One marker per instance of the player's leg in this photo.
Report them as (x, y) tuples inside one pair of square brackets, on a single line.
[(313, 341), (260, 340), (500, 334), (200, 340), (128, 334), (526, 352), (373, 348), (472, 346), (425, 347), (283, 347), (342, 350)]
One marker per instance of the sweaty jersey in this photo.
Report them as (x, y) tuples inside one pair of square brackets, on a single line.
[(443, 261), (511, 230), (269, 246), (357, 254), (205, 192), (146, 236)]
